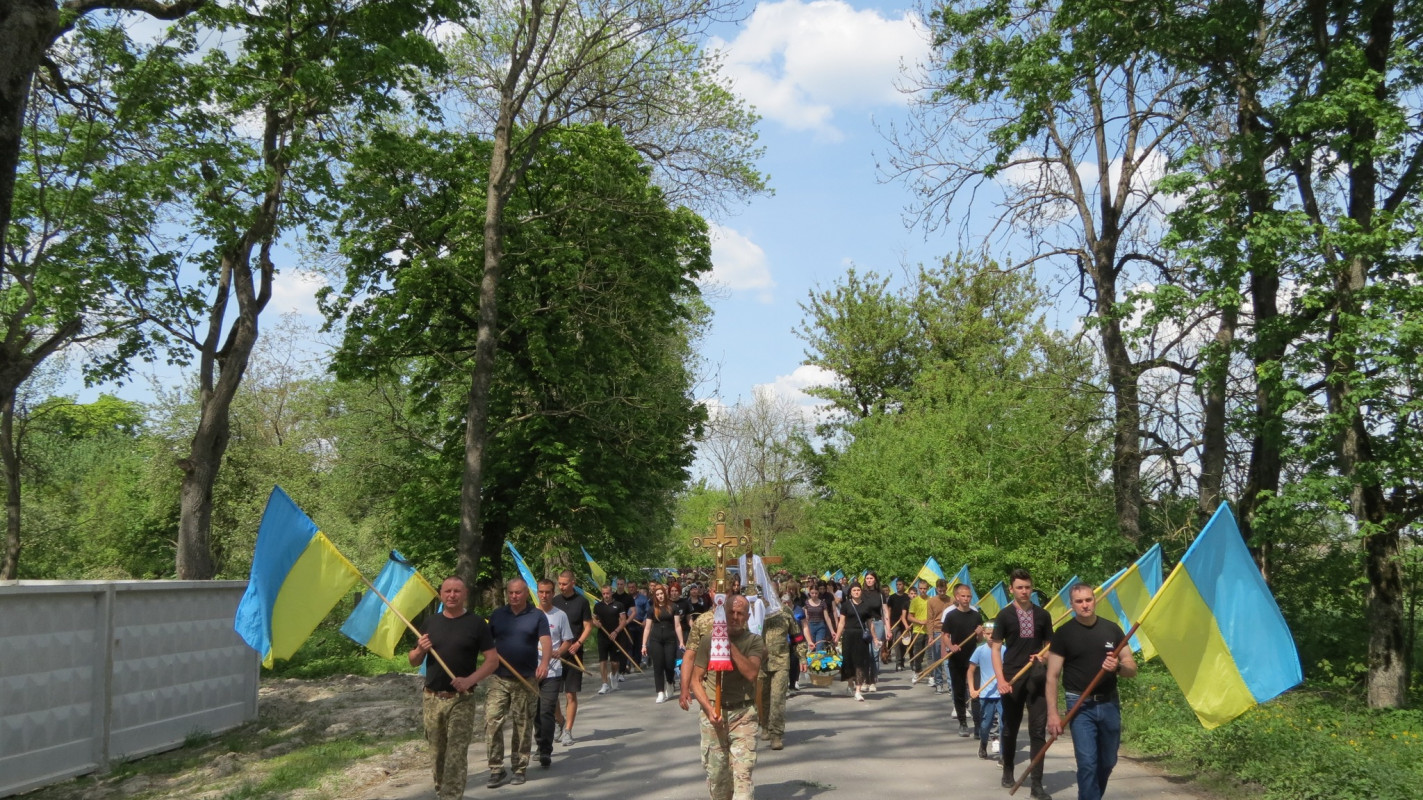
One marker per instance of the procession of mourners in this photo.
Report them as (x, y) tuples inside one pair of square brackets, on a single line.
[(733, 645)]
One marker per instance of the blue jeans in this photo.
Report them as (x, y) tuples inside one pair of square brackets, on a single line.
[(819, 634), (1096, 735), (989, 707), (878, 626), (936, 652)]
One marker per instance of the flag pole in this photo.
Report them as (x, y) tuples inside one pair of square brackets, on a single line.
[(1086, 693), (408, 623), (631, 660), (946, 655)]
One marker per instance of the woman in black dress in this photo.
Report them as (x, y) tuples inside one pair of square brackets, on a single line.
[(857, 641)]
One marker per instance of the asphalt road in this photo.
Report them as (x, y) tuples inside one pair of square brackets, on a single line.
[(901, 741)]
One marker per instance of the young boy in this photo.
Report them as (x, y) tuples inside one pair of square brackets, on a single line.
[(987, 703)]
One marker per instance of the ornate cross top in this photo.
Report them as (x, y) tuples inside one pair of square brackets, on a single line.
[(718, 542)]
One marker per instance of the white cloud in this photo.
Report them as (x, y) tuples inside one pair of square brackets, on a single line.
[(792, 387), (739, 264), (798, 63), (294, 291)]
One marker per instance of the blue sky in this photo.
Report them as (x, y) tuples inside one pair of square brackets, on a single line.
[(823, 76)]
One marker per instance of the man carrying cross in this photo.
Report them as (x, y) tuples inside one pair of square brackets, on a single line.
[(728, 733)]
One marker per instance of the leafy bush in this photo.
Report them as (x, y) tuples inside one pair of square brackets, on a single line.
[(1309, 743)]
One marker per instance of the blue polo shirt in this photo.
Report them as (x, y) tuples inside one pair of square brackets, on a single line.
[(516, 637)]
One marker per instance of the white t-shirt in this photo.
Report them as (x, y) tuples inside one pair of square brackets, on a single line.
[(559, 631)]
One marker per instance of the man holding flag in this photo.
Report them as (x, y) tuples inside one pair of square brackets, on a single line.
[(525, 647), (1022, 628), (459, 638), (1082, 647)]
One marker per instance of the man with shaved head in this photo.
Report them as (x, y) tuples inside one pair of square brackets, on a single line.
[(728, 734), (521, 636)]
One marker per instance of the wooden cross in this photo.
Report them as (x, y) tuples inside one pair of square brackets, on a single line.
[(718, 542)]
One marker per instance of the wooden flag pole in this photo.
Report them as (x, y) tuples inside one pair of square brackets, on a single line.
[(408, 624), (946, 655), (619, 645), (1086, 693), (578, 667), (521, 678)]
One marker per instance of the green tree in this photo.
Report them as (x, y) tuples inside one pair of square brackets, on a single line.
[(539, 65), (1065, 129), (299, 73), (593, 418)]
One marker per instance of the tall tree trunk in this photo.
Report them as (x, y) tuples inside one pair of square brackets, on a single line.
[(1124, 381), (10, 453), (1216, 377), (26, 29), (472, 546)]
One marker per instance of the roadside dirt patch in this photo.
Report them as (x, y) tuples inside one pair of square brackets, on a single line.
[(381, 712)]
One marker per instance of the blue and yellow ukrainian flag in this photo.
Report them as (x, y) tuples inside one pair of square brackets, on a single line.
[(825, 575), (524, 571), (932, 573), (996, 600), (962, 577), (373, 623), (600, 577), (839, 576), (1126, 595), (1060, 606), (297, 576), (1218, 630)]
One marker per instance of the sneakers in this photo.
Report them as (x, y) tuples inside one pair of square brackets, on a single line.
[(963, 729), (558, 732), (544, 760), (933, 681), (849, 688), (567, 739), (873, 688), (859, 696), (938, 689), (613, 687), (661, 697), (914, 680), (606, 688), (983, 750), (621, 678)]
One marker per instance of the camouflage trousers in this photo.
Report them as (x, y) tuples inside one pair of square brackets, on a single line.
[(509, 701), (774, 687), (449, 728), (728, 761)]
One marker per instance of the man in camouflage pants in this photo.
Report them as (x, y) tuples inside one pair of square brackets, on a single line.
[(448, 706), (728, 733), (775, 683), (521, 636)]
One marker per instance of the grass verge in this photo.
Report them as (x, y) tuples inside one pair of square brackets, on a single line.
[(1307, 744)]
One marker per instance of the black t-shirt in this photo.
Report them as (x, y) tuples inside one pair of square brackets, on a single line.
[(517, 637), (1017, 648), (577, 609), (960, 625), (663, 623), (873, 607), (609, 615), (898, 604), (1083, 648), (459, 642), (855, 616)]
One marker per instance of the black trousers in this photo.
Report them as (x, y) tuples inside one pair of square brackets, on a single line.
[(549, 689), (958, 678), (663, 654), (1029, 694)]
